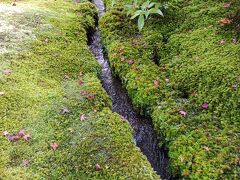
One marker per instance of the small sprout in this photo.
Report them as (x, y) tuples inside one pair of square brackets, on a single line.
[(54, 146)]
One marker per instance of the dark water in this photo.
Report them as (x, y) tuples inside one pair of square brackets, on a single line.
[(145, 136)]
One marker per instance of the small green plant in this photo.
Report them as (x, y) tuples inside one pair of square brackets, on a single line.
[(142, 11)]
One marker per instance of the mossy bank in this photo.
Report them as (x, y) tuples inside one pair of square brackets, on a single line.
[(183, 71), (49, 86)]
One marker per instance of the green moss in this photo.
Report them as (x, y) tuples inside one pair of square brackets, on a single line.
[(194, 68)]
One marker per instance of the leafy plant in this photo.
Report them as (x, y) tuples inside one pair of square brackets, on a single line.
[(143, 11)]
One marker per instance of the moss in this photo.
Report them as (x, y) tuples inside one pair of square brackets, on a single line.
[(198, 63), (54, 82)]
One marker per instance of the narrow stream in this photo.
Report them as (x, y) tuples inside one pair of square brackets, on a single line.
[(145, 136)]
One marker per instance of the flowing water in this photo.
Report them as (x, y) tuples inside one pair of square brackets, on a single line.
[(145, 137)]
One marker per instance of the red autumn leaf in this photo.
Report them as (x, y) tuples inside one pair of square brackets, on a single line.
[(27, 137), (91, 96), (54, 146), (83, 117), (13, 138), (22, 132), (83, 93), (205, 105), (7, 72), (130, 62), (183, 113), (156, 83), (80, 82), (98, 166), (224, 21)]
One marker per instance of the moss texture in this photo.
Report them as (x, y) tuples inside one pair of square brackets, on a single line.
[(193, 95), (51, 88)]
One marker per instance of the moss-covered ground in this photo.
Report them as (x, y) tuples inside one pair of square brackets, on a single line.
[(49, 86), (184, 71)]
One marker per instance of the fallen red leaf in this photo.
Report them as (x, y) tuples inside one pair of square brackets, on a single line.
[(22, 132), (80, 82), (130, 62), (83, 93), (7, 72), (83, 117), (27, 137), (98, 166), (156, 83), (205, 105), (54, 146), (224, 21), (183, 113)]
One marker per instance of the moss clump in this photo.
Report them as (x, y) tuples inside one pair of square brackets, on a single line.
[(193, 95), (52, 89)]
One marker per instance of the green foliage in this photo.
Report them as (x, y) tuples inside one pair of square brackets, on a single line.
[(199, 64), (143, 11)]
